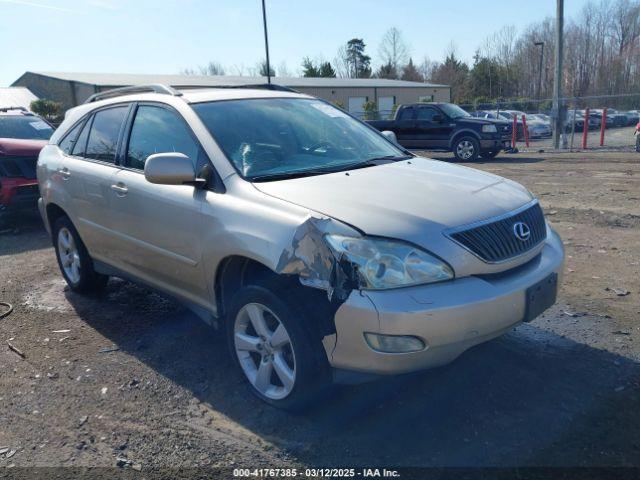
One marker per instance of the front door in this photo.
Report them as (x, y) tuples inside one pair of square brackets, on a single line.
[(160, 225), (432, 128)]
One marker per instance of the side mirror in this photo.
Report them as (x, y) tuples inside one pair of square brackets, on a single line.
[(437, 118), (170, 169), (389, 135)]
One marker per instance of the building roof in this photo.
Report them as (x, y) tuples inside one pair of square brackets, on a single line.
[(16, 97), (122, 79)]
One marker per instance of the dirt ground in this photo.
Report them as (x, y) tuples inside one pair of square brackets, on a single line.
[(131, 377)]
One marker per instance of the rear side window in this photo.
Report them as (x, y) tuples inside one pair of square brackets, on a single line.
[(406, 114), (103, 138), (159, 130), (67, 143), (81, 142)]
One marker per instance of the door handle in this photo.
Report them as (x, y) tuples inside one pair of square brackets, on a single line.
[(64, 173), (120, 189)]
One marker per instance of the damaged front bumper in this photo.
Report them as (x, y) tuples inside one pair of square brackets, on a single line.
[(448, 317)]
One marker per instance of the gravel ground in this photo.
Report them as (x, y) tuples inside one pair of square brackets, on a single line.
[(132, 378)]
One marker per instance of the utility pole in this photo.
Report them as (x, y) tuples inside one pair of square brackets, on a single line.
[(541, 45), (266, 41), (557, 77)]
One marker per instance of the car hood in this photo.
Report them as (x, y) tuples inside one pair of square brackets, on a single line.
[(411, 200), (21, 148)]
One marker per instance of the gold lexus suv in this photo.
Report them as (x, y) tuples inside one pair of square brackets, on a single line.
[(322, 249)]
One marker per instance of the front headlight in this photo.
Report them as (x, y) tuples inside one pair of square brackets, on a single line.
[(489, 129), (385, 263)]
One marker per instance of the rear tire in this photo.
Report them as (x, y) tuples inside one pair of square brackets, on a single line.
[(270, 342), (466, 149), (73, 259)]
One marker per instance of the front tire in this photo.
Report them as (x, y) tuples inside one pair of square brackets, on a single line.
[(277, 355), (73, 259), (466, 149)]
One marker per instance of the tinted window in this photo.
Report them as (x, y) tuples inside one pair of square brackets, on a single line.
[(406, 114), (426, 114), (158, 130), (67, 143), (103, 139), (25, 127), (81, 142)]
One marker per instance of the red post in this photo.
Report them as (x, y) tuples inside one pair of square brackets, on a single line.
[(585, 129), (514, 132), (603, 125), (525, 131)]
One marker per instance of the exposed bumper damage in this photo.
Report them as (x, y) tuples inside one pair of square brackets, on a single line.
[(311, 258)]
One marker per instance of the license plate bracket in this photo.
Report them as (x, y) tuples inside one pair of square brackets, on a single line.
[(541, 296)]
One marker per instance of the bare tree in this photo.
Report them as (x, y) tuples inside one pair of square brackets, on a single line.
[(393, 51)]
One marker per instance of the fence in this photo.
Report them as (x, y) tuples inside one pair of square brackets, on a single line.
[(602, 121)]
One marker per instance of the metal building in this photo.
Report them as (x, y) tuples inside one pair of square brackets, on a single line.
[(350, 93)]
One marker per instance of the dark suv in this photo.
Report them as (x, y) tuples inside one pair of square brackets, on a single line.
[(22, 136), (445, 126)]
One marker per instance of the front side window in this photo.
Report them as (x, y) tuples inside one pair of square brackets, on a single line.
[(103, 138), (425, 114), (279, 137), (24, 127), (158, 130)]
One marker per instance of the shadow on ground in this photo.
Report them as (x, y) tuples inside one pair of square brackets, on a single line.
[(529, 398), (501, 158)]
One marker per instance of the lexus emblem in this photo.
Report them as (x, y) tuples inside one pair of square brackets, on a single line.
[(522, 231)]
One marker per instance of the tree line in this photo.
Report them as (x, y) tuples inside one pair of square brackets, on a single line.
[(601, 57)]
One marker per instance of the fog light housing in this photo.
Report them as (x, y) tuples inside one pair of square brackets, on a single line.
[(394, 343)]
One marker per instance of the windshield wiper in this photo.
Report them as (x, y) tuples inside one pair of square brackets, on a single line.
[(369, 162)]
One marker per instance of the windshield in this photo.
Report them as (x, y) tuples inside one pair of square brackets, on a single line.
[(276, 137), (454, 111), (24, 127)]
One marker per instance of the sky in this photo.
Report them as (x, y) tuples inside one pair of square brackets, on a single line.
[(166, 36)]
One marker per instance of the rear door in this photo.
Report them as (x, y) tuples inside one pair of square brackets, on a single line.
[(159, 225), (87, 171), (405, 127)]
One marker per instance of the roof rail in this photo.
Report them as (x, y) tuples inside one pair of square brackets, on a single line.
[(151, 88), (6, 109), (259, 86)]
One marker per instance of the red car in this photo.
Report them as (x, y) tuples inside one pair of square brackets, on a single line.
[(22, 136)]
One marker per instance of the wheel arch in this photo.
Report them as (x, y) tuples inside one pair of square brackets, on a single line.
[(54, 212), (463, 133)]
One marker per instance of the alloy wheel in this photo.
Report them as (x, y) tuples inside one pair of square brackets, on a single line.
[(465, 149), (265, 352), (69, 255)]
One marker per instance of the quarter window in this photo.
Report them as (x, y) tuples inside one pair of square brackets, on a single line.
[(66, 145), (159, 130), (81, 142), (103, 139)]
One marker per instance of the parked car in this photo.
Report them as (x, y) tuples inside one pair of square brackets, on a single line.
[(614, 118), (447, 127), (633, 117), (22, 136), (505, 116), (323, 250)]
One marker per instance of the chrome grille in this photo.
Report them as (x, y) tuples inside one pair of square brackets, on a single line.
[(495, 241)]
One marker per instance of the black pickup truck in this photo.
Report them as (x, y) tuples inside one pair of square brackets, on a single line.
[(445, 126)]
